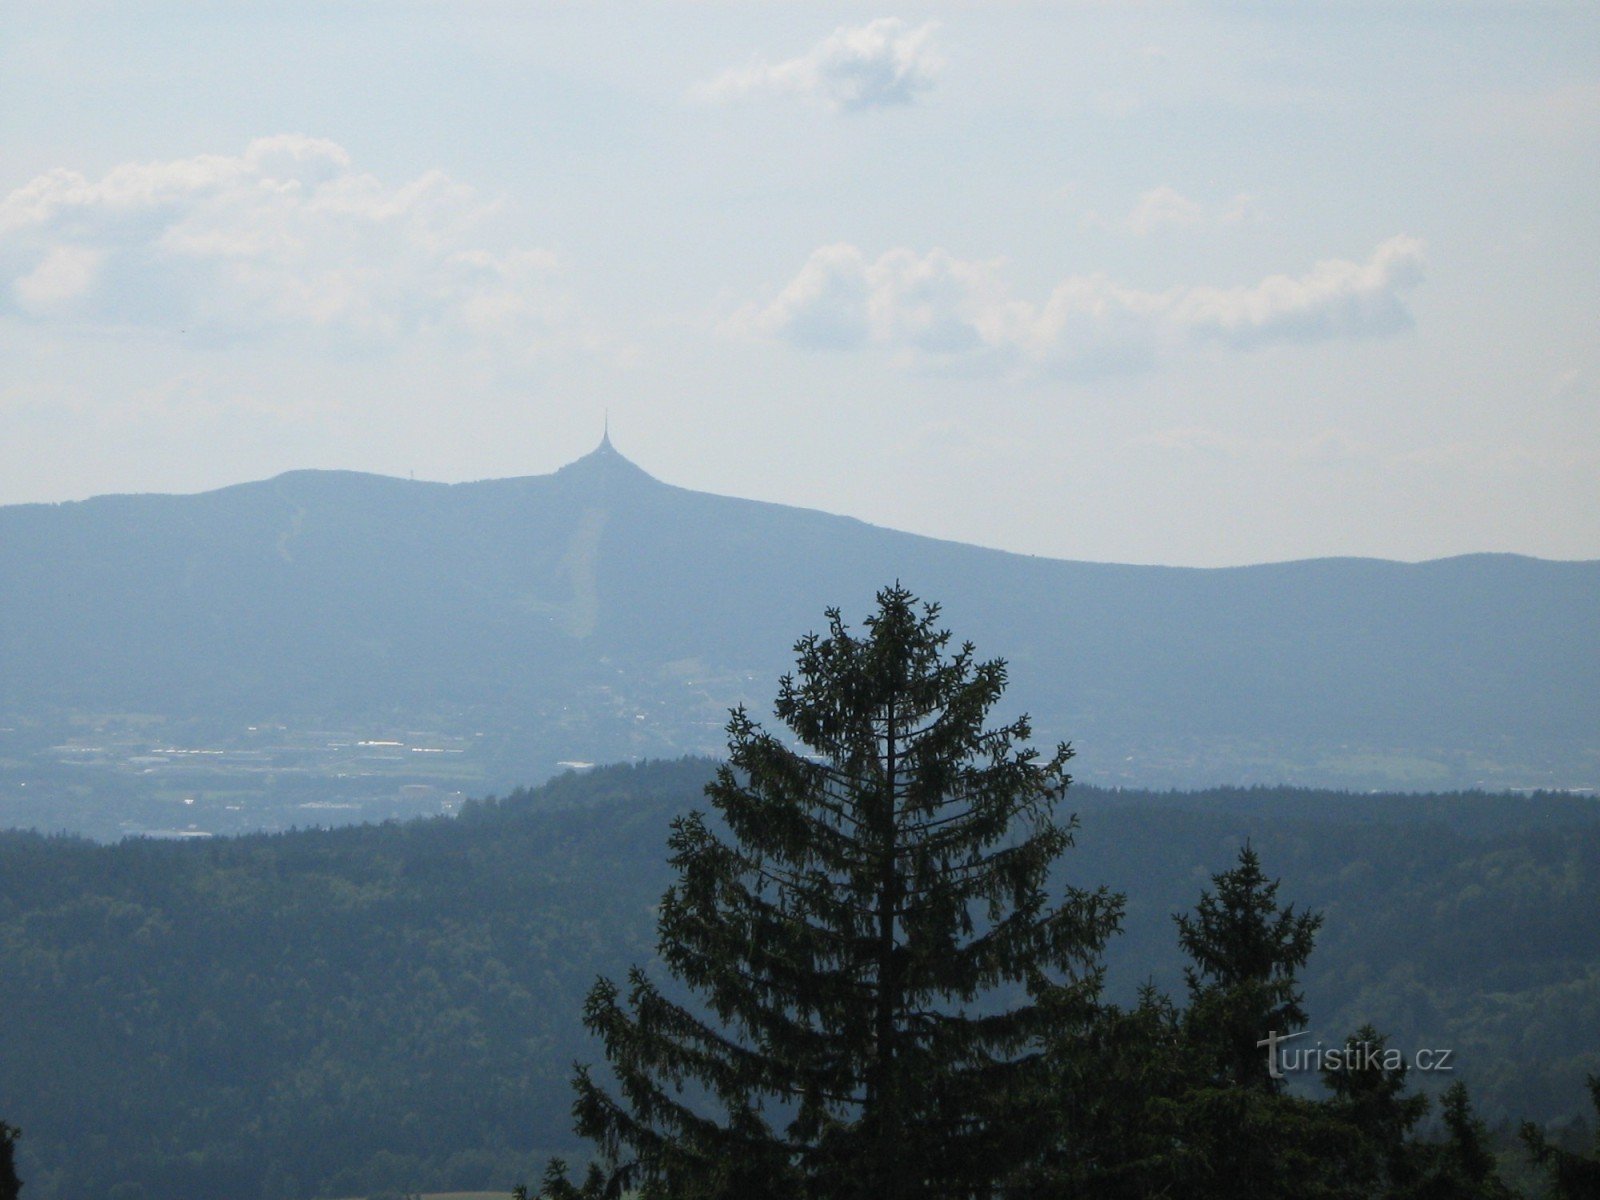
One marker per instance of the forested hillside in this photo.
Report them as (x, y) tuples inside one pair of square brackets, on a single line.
[(330, 1013)]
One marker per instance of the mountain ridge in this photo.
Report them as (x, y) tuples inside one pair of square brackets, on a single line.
[(298, 474), (597, 613)]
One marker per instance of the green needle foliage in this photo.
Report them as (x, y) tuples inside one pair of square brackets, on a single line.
[(10, 1185), (867, 930)]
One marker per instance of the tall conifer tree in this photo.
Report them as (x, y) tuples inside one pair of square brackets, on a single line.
[(866, 927)]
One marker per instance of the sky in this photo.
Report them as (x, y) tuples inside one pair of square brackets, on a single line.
[(1197, 284)]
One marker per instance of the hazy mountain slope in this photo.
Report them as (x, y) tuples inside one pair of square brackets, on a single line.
[(601, 613)]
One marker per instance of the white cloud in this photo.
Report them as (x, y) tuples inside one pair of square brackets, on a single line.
[(935, 307), (64, 274), (287, 235), (875, 65), (1335, 299), (840, 300), (1242, 209), (1163, 206)]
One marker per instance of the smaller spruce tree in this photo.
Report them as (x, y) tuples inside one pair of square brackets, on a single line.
[(1572, 1175), (1243, 1137), (1369, 1097), (1244, 952)]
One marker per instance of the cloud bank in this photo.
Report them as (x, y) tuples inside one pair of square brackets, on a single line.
[(935, 307), (287, 235), (877, 65)]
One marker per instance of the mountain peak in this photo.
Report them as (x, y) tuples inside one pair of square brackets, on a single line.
[(605, 461)]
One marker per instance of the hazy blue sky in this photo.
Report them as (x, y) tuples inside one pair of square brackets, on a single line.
[(1176, 283)]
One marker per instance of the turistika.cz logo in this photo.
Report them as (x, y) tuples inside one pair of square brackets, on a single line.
[(1346, 1056)]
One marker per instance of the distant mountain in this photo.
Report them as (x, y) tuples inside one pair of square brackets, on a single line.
[(598, 614)]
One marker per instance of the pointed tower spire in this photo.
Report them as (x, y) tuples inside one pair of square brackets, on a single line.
[(605, 461)]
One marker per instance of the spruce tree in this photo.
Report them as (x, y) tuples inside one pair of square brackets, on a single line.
[(1573, 1175), (1244, 952), (10, 1185), (865, 930), (1369, 1097), (1464, 1166), (1119, 1095), (1245, 1139)]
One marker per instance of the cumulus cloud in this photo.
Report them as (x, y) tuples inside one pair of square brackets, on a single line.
[(1335, 299), (876, 65), (939, 308), (64, 274), (1165, 208), (287, 235), (840, 299)]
